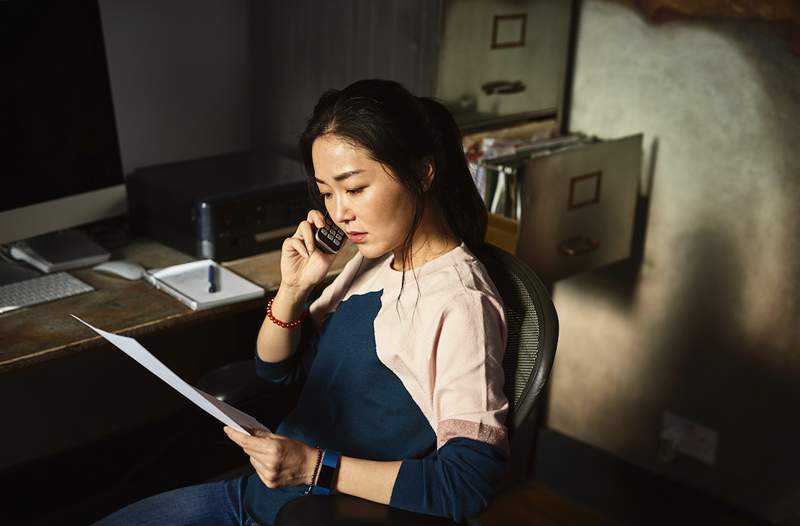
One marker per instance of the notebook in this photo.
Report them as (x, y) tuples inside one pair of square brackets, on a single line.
[(189, 284), (59, 251)]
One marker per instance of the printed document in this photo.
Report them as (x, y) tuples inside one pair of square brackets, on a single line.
[(225, 413)]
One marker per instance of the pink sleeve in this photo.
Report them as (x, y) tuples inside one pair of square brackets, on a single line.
[(468, 398)]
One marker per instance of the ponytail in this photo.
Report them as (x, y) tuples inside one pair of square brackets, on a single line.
[(453, 188)]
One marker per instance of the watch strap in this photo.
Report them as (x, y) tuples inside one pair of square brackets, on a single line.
[(327, 473)]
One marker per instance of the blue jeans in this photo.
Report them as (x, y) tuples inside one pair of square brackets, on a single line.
[(212, 504)]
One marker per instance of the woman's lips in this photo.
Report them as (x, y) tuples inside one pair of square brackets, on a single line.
[(357, 237)]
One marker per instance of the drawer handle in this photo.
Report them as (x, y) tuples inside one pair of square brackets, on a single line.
[(575, 246), (503, 87)]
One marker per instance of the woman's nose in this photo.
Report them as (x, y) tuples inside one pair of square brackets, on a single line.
[(340, 211)]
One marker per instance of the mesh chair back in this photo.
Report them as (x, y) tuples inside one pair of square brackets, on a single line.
[(532, 327)]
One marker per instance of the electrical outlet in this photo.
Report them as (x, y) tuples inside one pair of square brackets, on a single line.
[(690, 438)]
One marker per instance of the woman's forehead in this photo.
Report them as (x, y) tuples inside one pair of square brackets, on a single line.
[(336, 159)]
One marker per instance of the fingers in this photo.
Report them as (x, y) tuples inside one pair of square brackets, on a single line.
[(316, 218), (297, 245), (306, 232), (279, 461), (263, 443), (268, 476), (235, 436), (243, 440)]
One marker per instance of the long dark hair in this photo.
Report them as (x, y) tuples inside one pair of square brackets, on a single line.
[(403, 132)]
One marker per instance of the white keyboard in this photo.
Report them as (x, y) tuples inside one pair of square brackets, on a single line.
[(40, 289)]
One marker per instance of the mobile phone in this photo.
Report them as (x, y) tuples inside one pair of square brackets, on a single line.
[(330, 237)]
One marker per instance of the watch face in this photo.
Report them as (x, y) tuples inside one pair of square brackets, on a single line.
[(328, 469), (325, 479)]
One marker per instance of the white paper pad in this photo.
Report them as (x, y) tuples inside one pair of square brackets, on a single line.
[(225, 413)]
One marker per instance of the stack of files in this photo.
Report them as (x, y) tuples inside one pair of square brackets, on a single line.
[(189, 284), (59, 251), (496, 172)]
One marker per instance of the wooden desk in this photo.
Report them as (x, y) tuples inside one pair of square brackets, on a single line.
[(82, 414), (64, 387), (130, 308)]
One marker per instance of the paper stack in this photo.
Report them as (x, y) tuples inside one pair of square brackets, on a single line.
[(189, 284)]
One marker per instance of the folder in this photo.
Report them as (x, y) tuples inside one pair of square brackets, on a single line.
[(189, 284)]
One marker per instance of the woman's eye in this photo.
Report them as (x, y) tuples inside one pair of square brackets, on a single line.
[(327, 196)]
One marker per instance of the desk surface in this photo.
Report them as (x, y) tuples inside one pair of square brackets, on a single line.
[(130, 308)]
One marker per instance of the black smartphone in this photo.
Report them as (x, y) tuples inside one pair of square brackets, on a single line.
[(329, 238)]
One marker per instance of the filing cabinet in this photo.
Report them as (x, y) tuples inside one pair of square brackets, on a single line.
[(503, 61), (578, 207), (574, 206)]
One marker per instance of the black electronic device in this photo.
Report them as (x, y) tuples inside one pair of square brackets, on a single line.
[(60, 151), (224, 207), (330, 237)]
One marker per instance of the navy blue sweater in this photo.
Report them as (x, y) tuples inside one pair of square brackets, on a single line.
[(351, 402)]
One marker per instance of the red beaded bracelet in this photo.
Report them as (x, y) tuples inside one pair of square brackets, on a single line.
[(285, 325)]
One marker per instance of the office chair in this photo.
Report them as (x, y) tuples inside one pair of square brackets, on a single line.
[(532, 329)]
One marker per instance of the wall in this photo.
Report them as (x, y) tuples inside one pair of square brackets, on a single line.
[(705, 320), (181, 78), (305, 47)]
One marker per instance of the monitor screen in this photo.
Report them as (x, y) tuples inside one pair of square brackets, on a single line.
[(59, 137)]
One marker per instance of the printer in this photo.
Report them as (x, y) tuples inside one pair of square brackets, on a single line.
[(223, 207)]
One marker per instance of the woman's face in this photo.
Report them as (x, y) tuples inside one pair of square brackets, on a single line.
[(361, 196)]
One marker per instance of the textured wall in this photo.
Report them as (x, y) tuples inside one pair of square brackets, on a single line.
[(305, 47), (706, 321)]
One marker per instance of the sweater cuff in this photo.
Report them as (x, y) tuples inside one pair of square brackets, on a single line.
[(282, 372)]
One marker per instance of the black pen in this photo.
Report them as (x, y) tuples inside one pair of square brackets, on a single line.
[(212, 279)]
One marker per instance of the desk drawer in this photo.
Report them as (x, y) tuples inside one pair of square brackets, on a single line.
[(578, 207)]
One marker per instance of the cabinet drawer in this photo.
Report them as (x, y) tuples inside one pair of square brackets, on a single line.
[(578, 207)]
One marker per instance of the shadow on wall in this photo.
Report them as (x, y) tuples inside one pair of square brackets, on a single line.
[(704, 319), (774, 323)]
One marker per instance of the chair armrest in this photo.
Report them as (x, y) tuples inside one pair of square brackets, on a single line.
[(341, 510)]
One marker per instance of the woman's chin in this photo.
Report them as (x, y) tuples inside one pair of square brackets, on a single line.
[(370, 251)]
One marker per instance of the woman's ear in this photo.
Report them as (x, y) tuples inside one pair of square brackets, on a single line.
[(428, 171)]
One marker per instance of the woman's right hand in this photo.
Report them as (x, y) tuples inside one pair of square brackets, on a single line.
[(303, 265)]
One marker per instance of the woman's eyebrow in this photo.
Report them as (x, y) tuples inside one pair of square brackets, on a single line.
[(341, 176)]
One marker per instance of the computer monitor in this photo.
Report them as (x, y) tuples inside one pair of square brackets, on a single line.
[(60, 157)]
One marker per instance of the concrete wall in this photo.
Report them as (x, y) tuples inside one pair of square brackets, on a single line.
[(305, 47), (705, 321)]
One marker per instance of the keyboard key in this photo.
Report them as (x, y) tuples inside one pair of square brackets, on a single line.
[(40, 289)]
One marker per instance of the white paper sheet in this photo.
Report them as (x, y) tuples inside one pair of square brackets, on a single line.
[(223, 412)]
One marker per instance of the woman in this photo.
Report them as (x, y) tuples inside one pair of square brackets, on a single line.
[(403, 401)]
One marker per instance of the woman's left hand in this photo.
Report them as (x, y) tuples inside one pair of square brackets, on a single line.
[(279, 461)]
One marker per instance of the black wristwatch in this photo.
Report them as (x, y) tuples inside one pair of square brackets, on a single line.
[(327, 473)]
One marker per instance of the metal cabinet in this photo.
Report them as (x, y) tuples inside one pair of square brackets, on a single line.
[(503, 61), (578, 207), (574, 205)]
